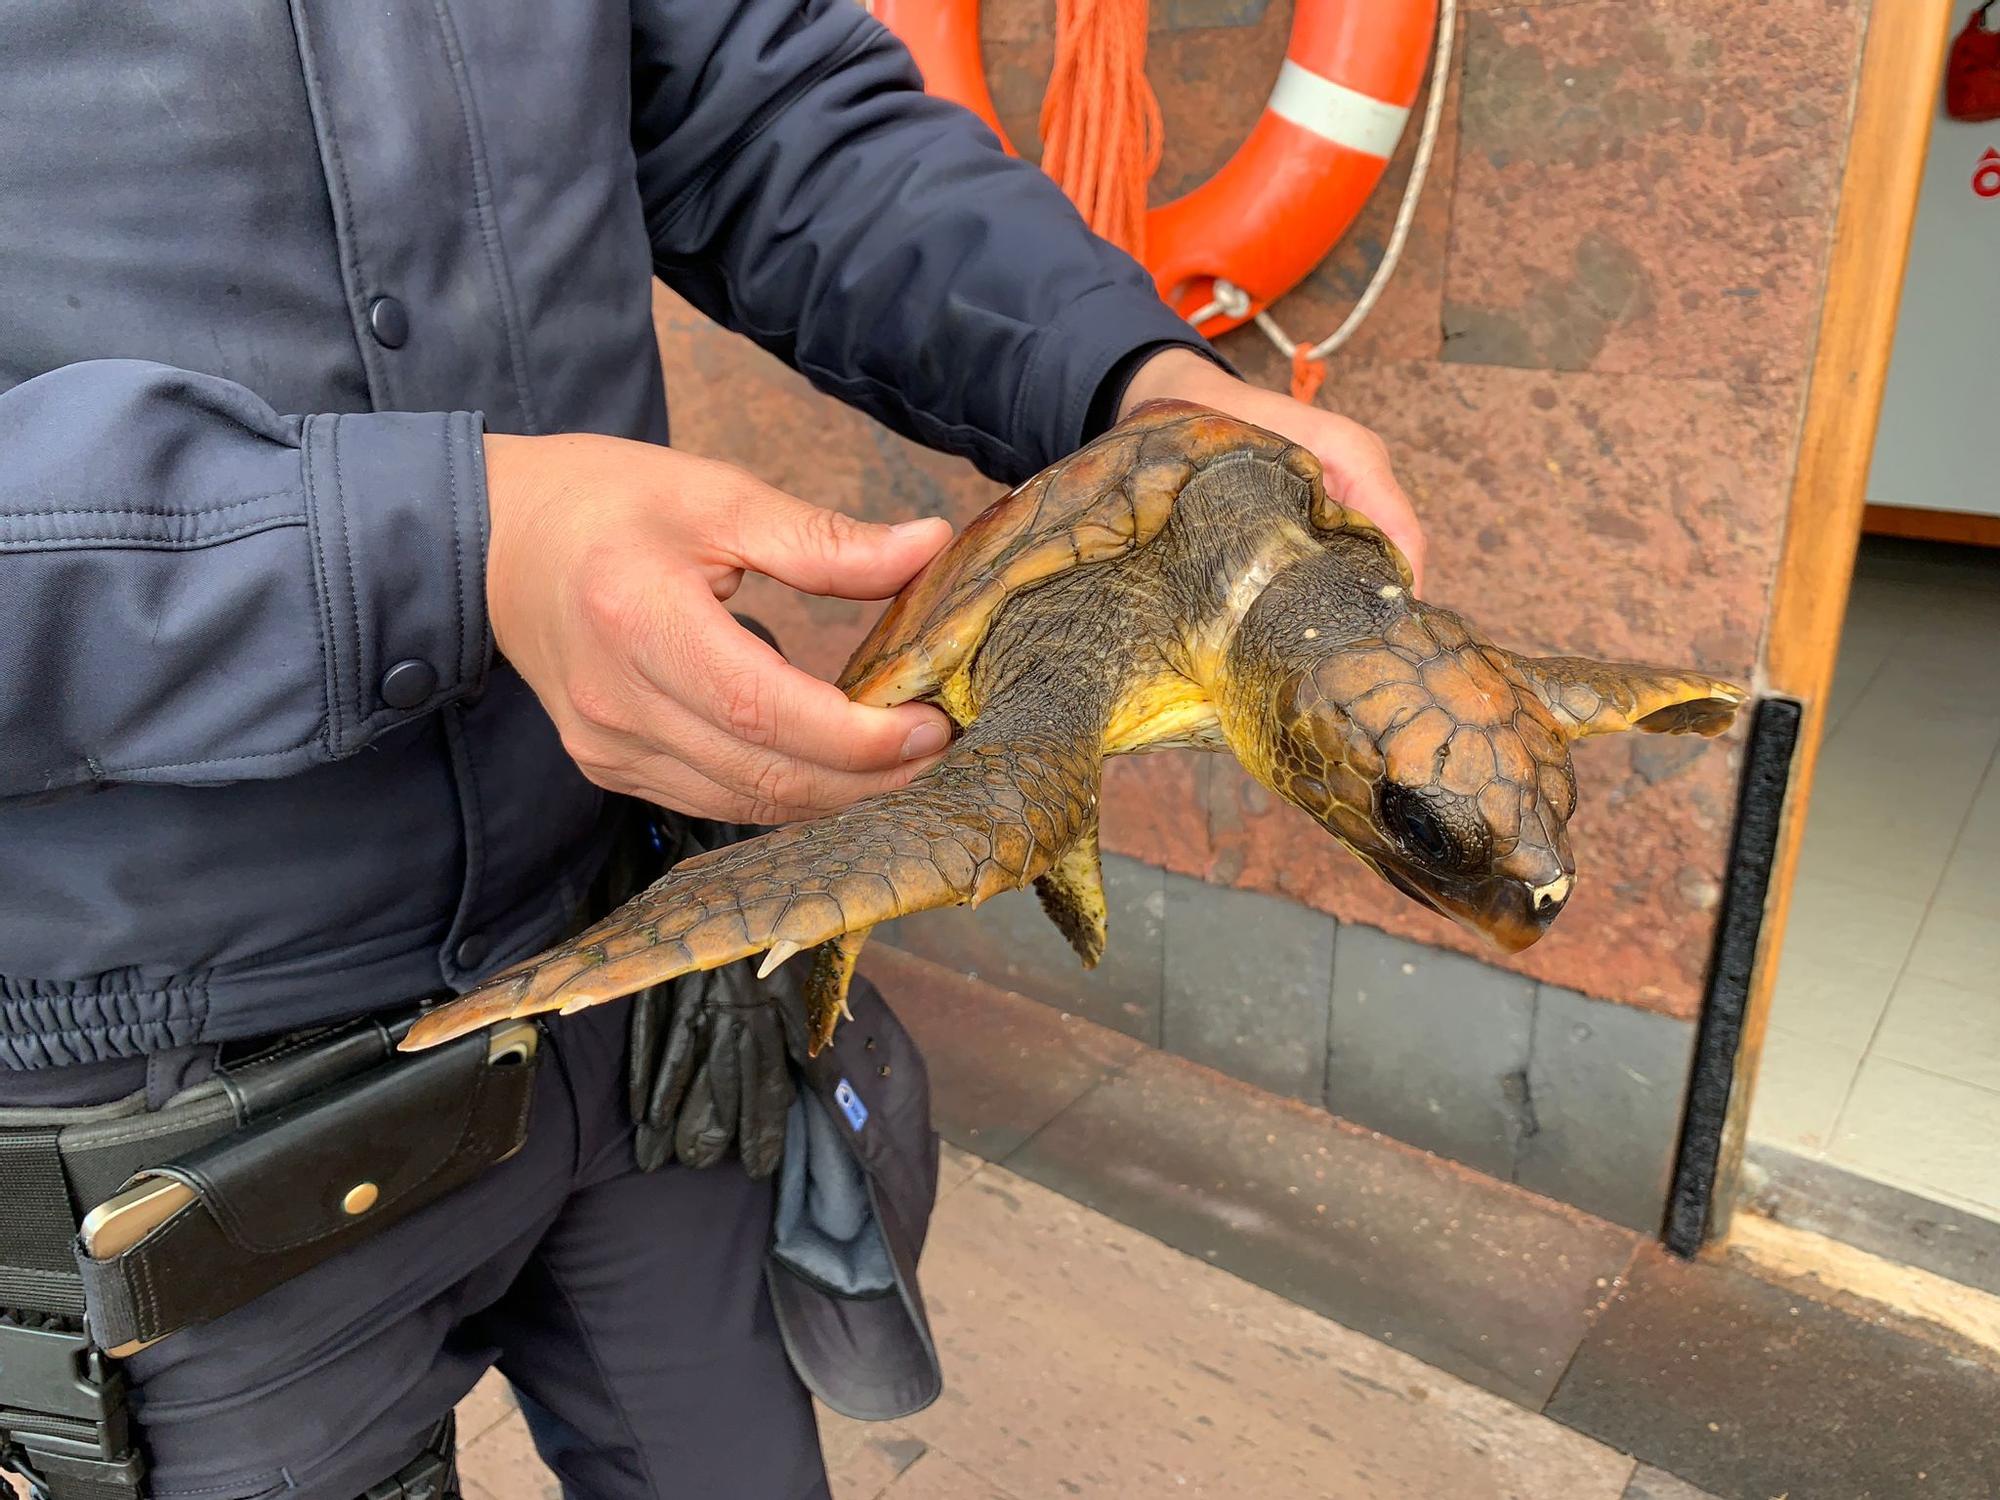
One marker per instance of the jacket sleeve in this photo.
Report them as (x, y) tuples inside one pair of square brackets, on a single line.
[(801, 188), (195, 589)]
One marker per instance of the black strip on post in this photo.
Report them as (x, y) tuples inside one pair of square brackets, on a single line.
[(1774, 734)]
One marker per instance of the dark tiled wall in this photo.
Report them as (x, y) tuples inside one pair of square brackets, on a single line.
[(1589, 367), (1576, 1098)]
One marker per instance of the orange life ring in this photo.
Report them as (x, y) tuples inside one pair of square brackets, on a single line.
[(1281, 203)]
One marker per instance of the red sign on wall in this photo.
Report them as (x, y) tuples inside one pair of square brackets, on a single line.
[(1986, 176), (1972, 71)]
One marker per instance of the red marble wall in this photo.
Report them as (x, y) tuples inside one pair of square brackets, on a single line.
[(1590, 367)]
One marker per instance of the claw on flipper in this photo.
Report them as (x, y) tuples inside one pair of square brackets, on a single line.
[(775, 958)]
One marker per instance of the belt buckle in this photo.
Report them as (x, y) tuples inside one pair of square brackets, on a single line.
[(63, 1405)]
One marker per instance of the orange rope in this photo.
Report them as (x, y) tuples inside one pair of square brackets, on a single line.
[(1101, 130), (1307, 374)]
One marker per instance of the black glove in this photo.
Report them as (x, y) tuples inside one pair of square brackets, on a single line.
[(712, 1054)]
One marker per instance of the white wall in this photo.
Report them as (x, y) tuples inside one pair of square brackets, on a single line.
[(1939, 444)]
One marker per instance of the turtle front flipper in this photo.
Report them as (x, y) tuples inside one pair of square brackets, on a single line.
[(997, 812), (1609, 697)]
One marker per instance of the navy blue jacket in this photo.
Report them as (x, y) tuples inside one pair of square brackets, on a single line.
[(264, 274)]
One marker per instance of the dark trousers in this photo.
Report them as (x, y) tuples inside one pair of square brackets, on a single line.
[(628, 1309)]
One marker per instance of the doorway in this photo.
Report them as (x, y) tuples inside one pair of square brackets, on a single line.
[(1877, 1113), (1876, 1110)]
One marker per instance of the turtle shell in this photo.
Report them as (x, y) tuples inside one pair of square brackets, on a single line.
[(1104, 502)]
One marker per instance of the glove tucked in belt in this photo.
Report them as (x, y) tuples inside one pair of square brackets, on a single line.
[(712, 1051)]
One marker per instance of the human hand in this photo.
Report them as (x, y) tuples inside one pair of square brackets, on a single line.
[(608, 566), (1356, 462)]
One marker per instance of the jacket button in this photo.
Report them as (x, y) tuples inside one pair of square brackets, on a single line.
[(408, 684), (389, 321), (472, 950)]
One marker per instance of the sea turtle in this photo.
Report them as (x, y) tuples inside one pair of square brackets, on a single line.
[(1184, 580)]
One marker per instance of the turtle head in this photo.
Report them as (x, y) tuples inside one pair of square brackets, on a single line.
[(1441, 760)]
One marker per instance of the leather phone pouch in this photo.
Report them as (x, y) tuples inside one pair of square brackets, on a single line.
[(270, 1201)]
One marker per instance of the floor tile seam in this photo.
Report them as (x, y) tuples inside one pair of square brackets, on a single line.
[(1896, 676), (1983, 1088), (930, 1448), (1808, 1036), (1853, 1079), (1920, 838), (1796, 1148), (1620, 1279), (1902, 973), (1903, 970), (1833, 729), (467, 1439), (1621, 1276), (1799, 1148), (1845, 884), (1916, 1067), (1939, 903), (983, 1164), (1992, 767), (1114, 1071), (890, 1483)]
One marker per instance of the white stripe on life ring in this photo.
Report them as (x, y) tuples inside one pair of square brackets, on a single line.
[(1335, 112)]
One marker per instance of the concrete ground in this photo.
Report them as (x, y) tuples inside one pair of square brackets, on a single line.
[(1086, 1359)]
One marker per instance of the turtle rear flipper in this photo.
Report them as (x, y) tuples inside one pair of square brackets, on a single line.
[(997, 812), (1072, 893)]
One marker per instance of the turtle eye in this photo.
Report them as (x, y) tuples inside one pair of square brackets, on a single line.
[(1417, 828)]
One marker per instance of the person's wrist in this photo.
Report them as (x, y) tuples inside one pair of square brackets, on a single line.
[(1177, 373), (504, 454), (511, 488)]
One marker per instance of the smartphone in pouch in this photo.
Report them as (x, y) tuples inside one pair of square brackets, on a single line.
[(120, 1222)]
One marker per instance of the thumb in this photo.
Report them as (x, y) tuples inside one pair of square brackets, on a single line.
[(820, 551), (1371, 488)]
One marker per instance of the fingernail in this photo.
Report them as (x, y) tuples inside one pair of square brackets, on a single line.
[(904, 528), (926, 739)]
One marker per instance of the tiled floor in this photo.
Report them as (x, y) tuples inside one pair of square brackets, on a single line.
[(1884, 1051)]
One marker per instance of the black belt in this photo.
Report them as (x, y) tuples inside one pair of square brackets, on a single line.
[(57, 1164)]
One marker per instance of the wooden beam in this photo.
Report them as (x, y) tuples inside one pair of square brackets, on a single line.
[(1902, 71), (1932, 525)]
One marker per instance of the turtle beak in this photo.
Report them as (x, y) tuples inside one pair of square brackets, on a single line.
[(1515, 913)]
